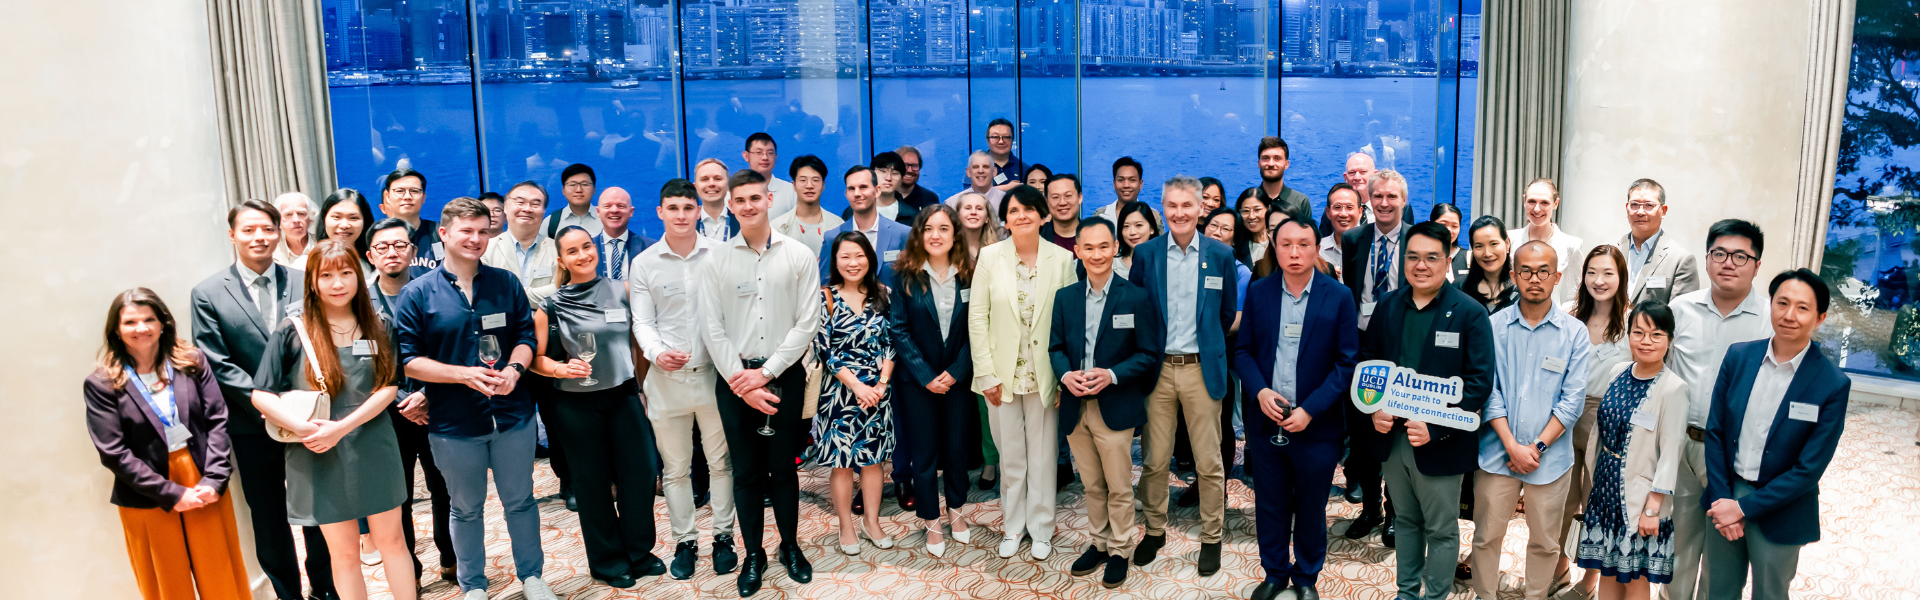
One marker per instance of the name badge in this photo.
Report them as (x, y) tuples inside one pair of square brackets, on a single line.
[(1801, 411), (1656, 282), (890, 255), (745, 288), (540, 272), (1462, 271), (1644, 420), (1293, 330), (1366, 309), (493, 321), (1554, 363), (966, 295), (177, 436), (439, 250), (363, 347), (999, 178), (672, 288), (1214, 283), (618, 315), (1446, 339), (1123, 321)]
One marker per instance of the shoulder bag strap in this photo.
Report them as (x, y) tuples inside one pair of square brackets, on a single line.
[(313, 362)]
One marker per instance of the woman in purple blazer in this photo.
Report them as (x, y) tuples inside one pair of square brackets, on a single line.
[(157, 418)]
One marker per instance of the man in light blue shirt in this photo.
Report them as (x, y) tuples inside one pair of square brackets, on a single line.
[(1538, 393)]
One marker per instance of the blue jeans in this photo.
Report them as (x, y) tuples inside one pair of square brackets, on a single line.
[(465, 461)]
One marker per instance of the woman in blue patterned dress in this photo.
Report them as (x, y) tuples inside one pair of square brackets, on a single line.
[(853, 428), (1636, 446)]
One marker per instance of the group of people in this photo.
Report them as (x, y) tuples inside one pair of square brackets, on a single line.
[(761, 332)]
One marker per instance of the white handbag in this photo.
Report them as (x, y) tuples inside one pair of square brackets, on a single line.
[(316, 405)]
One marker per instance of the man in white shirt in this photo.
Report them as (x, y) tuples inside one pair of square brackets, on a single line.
[(1343, 213), (1127, 174), (616, 243), (1542, 198), (523, 251), (577, 185), (680, 386), (759, 295), (710, 182), (761, 154), (807, 223), (1706, 322), (1657, 267)]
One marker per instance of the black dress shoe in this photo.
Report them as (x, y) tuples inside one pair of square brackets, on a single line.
[(987, 483), (1062, 477), (1191, 497), (572, 505), (1386, 536), (724, 560), (1308, 592), (700, 498), (1463, 572), (1148, 549), (903, 495), (1209, 562), (1088, 562), (1362, 526), (685, 555), (1353, 494), (652, 566), (751, 571), (1268, 590), (619, 582), (798, 569), (1116, 572)]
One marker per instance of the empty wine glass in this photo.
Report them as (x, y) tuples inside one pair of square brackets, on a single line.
[(489, 347), (585, 349)]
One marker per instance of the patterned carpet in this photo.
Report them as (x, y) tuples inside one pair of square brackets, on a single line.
[(1870, 522)]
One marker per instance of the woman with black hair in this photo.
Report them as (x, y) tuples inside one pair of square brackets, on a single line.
[(1636, 445), (345, 217), (1489, 281), (853, 428), (1137, 225), (1252, 232), (1037, 175), (1449, 215), (1213, 194)]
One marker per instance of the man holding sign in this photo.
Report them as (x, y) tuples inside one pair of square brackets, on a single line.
[(1440, 333)]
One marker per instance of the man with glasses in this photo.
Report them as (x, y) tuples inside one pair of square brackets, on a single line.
[(1658, 268), (402, 194), (577, 184), (761, 155), (1539, 390), (1008, 170), (1706, 322), (911, 192)]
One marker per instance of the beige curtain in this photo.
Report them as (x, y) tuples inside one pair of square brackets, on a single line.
[(271, 97), (1523, 88), (1829, 57)]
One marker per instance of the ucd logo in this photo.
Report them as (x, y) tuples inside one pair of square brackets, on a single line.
[(1370, 386)]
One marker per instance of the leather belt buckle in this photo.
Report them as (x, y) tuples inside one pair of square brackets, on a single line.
[(1182, 359), (1698, 434)]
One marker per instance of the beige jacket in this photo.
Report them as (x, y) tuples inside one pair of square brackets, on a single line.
[(993, 322), (1652, 459)]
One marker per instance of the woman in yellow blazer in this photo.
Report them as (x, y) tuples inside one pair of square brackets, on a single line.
[(1008, 321)]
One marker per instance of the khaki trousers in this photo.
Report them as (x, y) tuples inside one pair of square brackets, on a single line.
[(1183, 388), (1581, 484), (1104, 458), (1494, 499)]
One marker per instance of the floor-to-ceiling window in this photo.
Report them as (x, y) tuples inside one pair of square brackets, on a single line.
[(642, 90)]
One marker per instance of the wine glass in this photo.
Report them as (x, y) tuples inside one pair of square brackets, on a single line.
[(585, 349), (766, 429), (1280, 433), (489, 347)]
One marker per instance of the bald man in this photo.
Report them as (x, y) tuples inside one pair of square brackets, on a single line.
[(1359, 169), (617, 244)]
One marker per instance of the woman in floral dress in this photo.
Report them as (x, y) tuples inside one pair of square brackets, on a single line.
[(853, 428)]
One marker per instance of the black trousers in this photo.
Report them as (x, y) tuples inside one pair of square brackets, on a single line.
[(1362, 469), (938, 425), (541, 389), (414, 448), (263, 475), (607, 437), (763, 468)]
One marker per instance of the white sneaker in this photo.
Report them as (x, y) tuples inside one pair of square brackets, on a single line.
[(1042, 550), (1010, 546), (475, 594), (532, 588)]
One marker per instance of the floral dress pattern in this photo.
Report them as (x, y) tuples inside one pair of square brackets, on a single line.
[(1610, 540), (1024, 378), (846, 435)]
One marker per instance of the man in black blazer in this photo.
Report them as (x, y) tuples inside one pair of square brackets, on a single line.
[(1779, 408), (234, 312), (1371, 264), (1106, 346), (1295, 354), (1438, 330)]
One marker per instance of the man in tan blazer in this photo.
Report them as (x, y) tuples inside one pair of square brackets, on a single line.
[(1658, 267)]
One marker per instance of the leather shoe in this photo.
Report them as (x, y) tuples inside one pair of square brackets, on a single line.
[(1386, 536), (1464, 572), (685, 555), (724, 560), (798, 569), (1353, 494), (1116, 572), (1308, 592), (987, 483), (1268, 590), (1191, 497), (619, 582), (1088, 562), (859, 503), (903, 495), (572, 505), (1062, 477), (1209, 562), (1148, 549), (751, 571), (1362, 526), (651, 567)]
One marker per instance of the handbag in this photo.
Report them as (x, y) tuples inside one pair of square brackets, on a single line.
[(812, 403), (314, 404)]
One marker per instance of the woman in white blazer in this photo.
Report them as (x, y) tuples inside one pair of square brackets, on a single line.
[(1008, 322)]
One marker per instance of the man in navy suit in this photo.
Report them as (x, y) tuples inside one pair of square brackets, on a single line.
[(616, 244), (1106, 347), (1295, 353), (1779, 408), (1192, 281), (1372, 266), (886, 235)]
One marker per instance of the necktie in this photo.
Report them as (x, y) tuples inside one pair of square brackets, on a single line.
[(616, 257), (263, 300), (1382, 258)]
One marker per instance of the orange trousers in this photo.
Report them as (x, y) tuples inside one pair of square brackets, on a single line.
[(174, 553)]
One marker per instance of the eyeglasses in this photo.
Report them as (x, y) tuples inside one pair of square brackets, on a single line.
[(1642, 207), (762, 153), (1426, 259), (1000, 138), (406, 192), (1740, 259), (1641, 335), (1526, 273), (579, 185), (390, 247)]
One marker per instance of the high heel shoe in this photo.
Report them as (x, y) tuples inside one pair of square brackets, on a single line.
[(882, 542), (964, 536), (938, 550)]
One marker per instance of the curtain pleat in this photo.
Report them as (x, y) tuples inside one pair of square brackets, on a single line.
[(1523, 83), (271, 98)]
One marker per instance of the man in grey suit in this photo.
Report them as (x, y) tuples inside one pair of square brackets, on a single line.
[(234, 312), (1658, 268)]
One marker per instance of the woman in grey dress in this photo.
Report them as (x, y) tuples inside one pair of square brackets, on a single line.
[(347, 466)]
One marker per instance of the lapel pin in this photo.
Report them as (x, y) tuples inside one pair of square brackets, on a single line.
[(1449, 315)]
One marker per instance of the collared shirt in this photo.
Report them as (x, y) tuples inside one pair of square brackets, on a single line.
[(285, 257), (532, 265), (784, 196), (714, 228), (994, 197), (247, 280), (589, 221), (1639, 254), (1183, 296), (1701, 337), (1096, 311), (1372, 291), (872, 231), (1769, 390), (1542, 376), (945, 289), (434, 320), (763, 303), (663, 292), (1330, 252), (813, 235), (1286, 355)]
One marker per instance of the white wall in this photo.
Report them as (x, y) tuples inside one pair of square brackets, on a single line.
[(1704, 96), (113, 179)]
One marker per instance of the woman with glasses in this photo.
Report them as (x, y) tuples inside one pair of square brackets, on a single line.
[(1636, 445), (1489, 281)]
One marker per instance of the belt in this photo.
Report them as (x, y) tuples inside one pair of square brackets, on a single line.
[(1698, 434), (1182, 359), (752, 363)]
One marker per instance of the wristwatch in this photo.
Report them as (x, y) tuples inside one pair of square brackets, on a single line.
[(517, 367), (764, 372), (1540, 446), (1650, 512)]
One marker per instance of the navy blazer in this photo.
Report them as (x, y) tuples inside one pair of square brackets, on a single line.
[(1329, 343), (1217, 307), (1133, 356), (1356, 247), (636, 243), (917, 345), (1785, 502), (232, 335), (893, 237), (132, 441), (1450, 451)]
